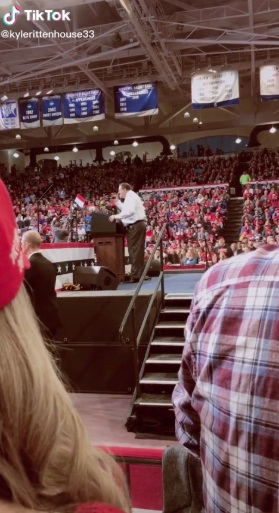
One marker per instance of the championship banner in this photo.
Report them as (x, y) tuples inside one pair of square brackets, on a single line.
[(52, 110), (9, 115), (29, 114), (215, 89), (84, 106), (135, 100), (269, 82)]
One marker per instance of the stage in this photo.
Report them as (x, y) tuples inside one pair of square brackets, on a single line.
[(91, 355)]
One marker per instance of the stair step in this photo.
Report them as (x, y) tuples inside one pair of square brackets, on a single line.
[(170, 324), (175, 344), (164, 358), (179, 295), (154, 400), (168, 340), (159, 378), (177, 310)]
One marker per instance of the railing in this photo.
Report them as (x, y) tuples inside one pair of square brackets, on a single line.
[(136, 338)]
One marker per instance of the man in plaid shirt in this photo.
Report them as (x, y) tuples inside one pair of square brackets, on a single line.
[(227, 399)]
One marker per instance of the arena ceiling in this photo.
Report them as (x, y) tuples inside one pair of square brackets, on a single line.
[(136, 41)]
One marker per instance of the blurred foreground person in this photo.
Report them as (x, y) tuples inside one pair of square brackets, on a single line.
[(227, 399), (47, 462)]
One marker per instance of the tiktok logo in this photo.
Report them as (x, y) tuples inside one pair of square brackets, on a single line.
[(10, 17)]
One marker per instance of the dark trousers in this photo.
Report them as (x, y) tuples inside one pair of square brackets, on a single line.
[(136, 244)]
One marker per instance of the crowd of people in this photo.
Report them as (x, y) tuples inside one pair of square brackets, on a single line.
[(46, 197), (194, 211), (264, 165), (260, 220)]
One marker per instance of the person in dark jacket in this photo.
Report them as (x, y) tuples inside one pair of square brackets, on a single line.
[(40, 283)]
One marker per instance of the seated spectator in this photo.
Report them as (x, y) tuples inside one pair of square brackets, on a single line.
[(172, 257), (222, 249), (190, 258)]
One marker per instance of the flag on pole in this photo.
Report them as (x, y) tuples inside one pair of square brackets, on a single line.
[(80, 201)]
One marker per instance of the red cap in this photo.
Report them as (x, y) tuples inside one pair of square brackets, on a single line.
[(12, 260)]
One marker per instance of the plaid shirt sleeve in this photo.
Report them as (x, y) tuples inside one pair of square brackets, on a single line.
[(187, 419), (227, 398)]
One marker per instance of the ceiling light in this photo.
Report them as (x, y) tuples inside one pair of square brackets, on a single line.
[(195, 120), (135, 144), (50, 91), (112, 153), (75, 149), (56, 157), (95, 128), (46, 149), (238, 140), (15, 155), (186, 114), (18, 136), (26, 94), (116, 142), (4, 97), (172, 147), (200, 122), (39, 92), (272, 130)]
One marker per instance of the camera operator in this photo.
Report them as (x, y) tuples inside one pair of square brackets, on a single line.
[(60, 234)]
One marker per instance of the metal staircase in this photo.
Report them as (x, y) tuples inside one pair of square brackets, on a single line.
[(152, 411)]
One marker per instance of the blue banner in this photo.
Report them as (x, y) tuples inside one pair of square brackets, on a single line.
[(84, 106), (9, 115), (29, 113), (135, 100), (52, 110)]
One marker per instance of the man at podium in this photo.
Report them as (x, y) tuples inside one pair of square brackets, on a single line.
[(132, 215)]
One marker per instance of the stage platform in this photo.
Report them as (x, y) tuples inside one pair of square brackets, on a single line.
[(91, 355), (175, 282)]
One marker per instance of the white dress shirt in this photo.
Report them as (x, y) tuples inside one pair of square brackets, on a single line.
[(131, 210)]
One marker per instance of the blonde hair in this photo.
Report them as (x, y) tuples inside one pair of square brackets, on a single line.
[(47, 461)]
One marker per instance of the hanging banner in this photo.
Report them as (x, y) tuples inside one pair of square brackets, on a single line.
[(84, 106), (135, 100), (29, 114), (52, 110), (269, 82), (215, 89), (9, 115)]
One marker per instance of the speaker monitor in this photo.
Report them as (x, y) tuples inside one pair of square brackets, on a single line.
[(95, 278), (155, 268)]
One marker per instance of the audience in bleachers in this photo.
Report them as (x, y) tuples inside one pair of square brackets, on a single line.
[(195, 215)]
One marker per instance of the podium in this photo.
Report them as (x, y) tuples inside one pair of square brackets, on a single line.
[(108, 243)]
